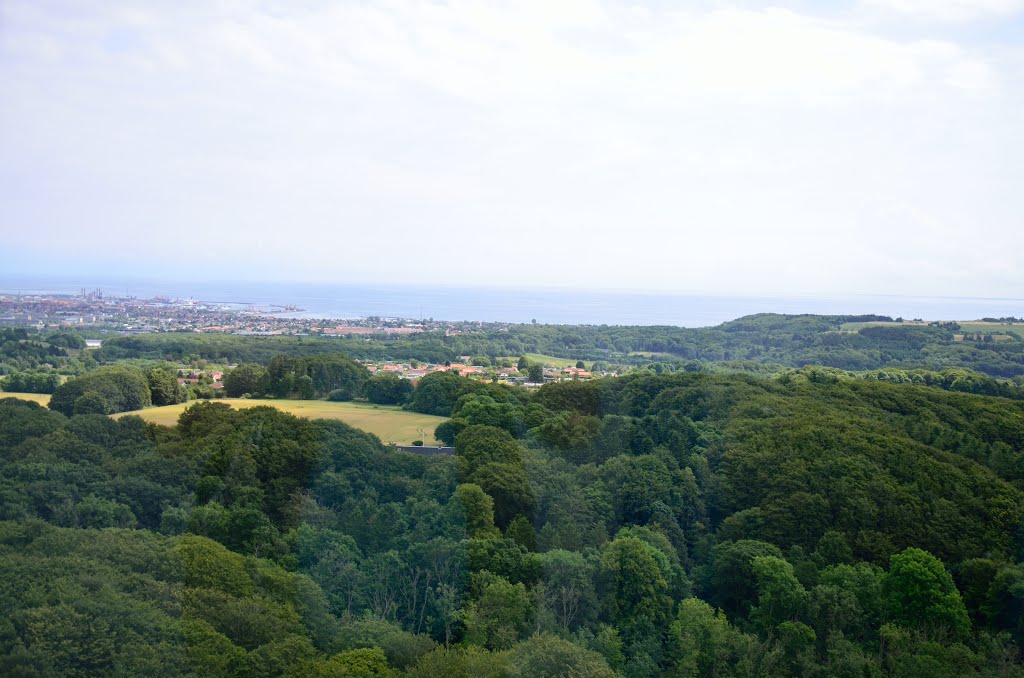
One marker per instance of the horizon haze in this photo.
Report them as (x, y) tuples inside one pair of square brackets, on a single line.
[(842, 148)]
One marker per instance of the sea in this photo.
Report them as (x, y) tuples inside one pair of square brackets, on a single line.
[(522, 305)]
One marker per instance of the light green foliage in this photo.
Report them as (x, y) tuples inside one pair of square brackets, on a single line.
[(402, 648), (633, 588), (475, 509), (548, 656), (569, 588), (501, 612), (701, 641), (468, 661), (363, 663), (95, 512), (920, 594), (206, 564), (780, 596)]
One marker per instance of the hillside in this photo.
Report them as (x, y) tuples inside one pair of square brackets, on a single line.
[(389, 423), (613, 527), (863, 342)]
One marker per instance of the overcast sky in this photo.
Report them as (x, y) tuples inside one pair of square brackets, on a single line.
[(871, 146)]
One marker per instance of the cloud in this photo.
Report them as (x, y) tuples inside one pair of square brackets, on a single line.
[(553, 143), (948, 10)]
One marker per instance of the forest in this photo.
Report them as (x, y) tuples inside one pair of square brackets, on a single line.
[(814, 522), (747, 344)]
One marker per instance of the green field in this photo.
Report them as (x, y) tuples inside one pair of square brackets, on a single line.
[(966, 327), (853, 327), (41, 398), (389, 423), (545, 360), (995, 329)]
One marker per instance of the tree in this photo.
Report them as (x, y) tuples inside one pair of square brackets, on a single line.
[(448, 431), (122, 389), (523, 364), (536, 373), (501, 613), (247, 378), (510, 487), (388, 389), (475, 509), (569, 588), (437, 392), (91, 402), (732, 580), (31, 382), (96, 512), (634, 592), (919, 593), (701, 641), (484, 410), (521, 531), (467, 661), (479, 445), (780, 596), (164, 388), (548, 655)]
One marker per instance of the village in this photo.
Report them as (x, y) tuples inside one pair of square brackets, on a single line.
[(93, 313), (209, 383), (506, 372)]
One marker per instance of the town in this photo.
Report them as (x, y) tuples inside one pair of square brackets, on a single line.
[(94, 313)]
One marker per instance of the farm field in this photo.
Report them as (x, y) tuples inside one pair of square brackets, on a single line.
[(995, 329), (546, 360), (1001, 330), (41, 398), (389, 423), (853, 327)]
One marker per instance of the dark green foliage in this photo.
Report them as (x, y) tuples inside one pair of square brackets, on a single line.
[(31, 382), (245, 379), (449, 430), (830, 524), (437, 393), (747, 344), (316, 377), (108, 390), (22, 350), (71, 340), (388, 389), (164, 388)]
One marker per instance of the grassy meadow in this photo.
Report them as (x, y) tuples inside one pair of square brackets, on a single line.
[(41, 398), (995, 329), (545, 360), (389, 423), (999, 331)]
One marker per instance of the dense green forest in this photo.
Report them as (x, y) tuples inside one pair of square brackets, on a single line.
[(766, 339), (32, 362), (813, 523)]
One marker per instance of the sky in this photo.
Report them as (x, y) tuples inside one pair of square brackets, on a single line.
[(827, 147)]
